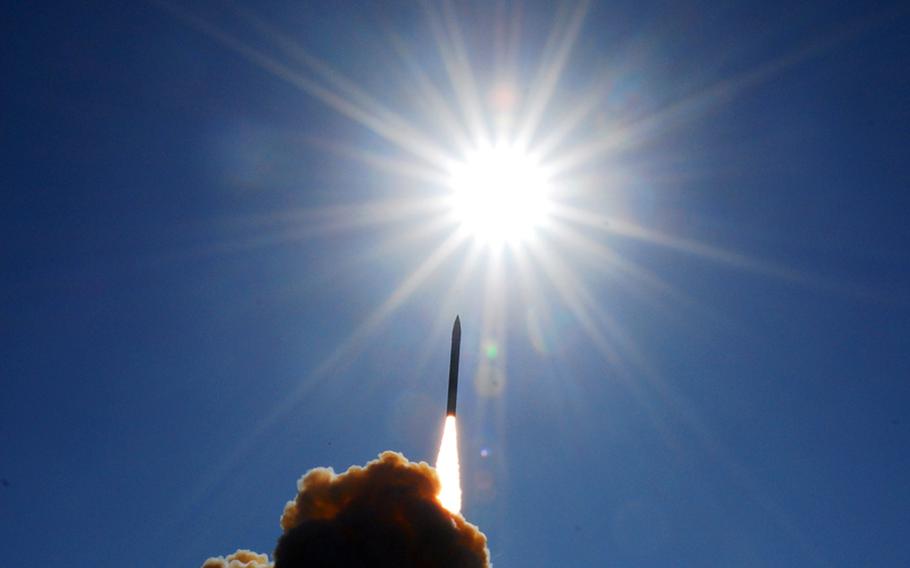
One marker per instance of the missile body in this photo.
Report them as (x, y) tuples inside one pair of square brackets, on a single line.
[(453, 367)]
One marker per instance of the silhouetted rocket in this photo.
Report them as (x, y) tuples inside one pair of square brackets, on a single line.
[(453, 367)]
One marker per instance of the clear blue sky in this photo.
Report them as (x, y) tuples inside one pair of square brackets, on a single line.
[(203, 211)]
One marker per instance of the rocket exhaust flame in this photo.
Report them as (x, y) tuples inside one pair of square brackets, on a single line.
[(447, 468)]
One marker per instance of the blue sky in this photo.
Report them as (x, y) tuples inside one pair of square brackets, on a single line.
[(211, 277)]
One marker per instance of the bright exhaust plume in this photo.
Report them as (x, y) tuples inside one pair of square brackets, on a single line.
[(447, 468)]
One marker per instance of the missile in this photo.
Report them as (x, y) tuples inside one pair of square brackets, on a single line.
[(453, 367)]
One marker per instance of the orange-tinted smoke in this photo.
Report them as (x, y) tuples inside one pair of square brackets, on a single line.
[(240, 559), (383, 515)]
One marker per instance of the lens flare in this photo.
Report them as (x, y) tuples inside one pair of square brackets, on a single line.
[(448, 469)]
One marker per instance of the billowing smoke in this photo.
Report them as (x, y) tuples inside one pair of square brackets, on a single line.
[(383, 515), (240, 559)]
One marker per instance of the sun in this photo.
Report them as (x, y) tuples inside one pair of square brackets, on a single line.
[(500, 195)]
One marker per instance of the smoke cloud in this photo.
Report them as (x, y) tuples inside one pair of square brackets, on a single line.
[(240, 559), (382, 515)]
